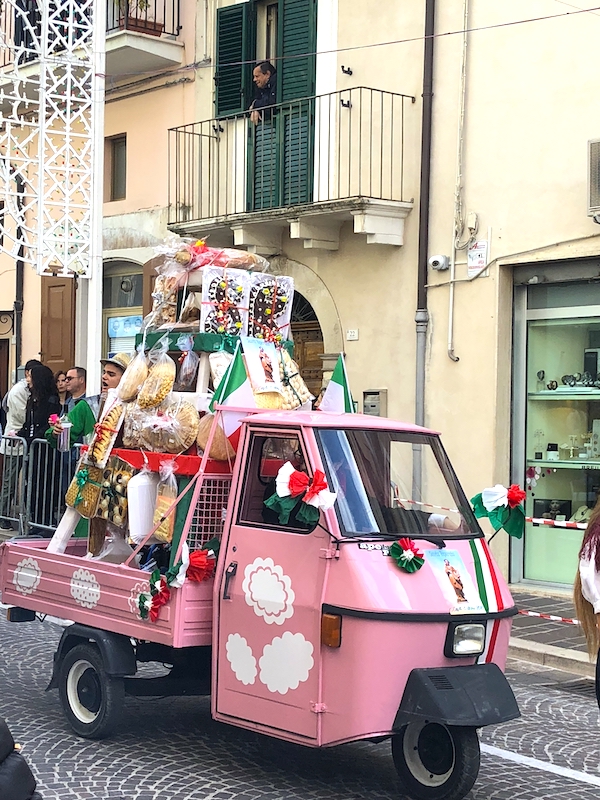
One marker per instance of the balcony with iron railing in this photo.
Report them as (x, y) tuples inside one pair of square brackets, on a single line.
[(307, 164), (141, 35)]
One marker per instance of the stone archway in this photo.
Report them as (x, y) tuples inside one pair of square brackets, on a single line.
[(316, 293)]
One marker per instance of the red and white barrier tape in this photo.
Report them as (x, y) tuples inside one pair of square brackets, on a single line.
[(551, 617), (554, 523)]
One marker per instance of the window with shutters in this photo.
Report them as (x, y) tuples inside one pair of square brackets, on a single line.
[(280, 146), (236, 46)]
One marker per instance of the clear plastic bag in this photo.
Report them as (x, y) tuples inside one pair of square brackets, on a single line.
[(171, 428), (167, 493), (115, 549), (219, 364), (161, 376), (188, 365), (134, 376), (142, 492)]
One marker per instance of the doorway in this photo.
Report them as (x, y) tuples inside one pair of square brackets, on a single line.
[(308, 343)]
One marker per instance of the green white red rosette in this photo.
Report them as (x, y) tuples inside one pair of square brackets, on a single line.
[(290, 486), (503, 507), (196, 566), (407, 557)]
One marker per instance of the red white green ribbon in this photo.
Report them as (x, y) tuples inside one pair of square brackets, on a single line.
[(290, 485), (407, 557)]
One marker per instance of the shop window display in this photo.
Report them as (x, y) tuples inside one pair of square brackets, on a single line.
[(562, 441)]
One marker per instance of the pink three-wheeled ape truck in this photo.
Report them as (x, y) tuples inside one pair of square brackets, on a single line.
[(318, 628)]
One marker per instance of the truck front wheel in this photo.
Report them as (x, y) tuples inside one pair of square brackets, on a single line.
[(91, 699), (435, 761)]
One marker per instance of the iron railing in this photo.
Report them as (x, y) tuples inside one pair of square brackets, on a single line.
[(33, 481), (20, 24), (154, 17), (318, 149)]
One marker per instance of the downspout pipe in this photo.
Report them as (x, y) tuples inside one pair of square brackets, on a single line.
[(19, 278), (422, 315)]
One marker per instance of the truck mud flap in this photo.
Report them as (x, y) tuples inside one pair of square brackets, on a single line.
[(116, 650), (471, 696)]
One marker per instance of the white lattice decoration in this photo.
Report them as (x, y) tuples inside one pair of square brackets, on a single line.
[(51, 96)]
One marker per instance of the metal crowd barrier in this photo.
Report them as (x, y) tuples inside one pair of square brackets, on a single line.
[(34, 481)]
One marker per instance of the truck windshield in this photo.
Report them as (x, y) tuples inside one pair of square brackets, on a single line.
[(394, 483)]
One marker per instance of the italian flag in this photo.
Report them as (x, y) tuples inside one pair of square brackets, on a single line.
[(234, 390), (337, 397)]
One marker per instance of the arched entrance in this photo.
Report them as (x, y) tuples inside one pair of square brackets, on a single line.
[(308, 343)]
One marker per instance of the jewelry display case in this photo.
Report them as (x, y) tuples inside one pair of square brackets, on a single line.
[(562, 441)]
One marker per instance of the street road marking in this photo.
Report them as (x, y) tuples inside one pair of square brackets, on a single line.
[(565, 772)]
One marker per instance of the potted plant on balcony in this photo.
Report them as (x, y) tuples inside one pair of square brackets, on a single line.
[(133, 16)]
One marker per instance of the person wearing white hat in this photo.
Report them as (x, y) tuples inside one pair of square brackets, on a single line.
[(84, 415)]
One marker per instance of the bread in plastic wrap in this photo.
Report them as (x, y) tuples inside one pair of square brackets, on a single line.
[(161, 377), (294, 391), (133, 378), (219, 364), (84, 490), (106, 430), (221, 448), (172, 428)]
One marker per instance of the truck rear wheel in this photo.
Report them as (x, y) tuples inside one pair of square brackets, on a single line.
[(435, 761), (91, 699)]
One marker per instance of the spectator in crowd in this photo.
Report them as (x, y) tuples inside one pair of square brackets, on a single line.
[(265, 93), (14, 404), (76, 384), (44, 469), (62, 391), (84, 415)]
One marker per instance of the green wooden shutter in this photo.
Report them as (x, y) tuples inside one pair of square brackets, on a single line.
[(297, 35), (236, 36)]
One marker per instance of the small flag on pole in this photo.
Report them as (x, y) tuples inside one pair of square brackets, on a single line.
[(234, 390), (337, 397)]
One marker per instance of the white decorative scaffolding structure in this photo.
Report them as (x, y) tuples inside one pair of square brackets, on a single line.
[(51, 134)]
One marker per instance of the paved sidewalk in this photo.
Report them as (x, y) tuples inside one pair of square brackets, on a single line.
[(554, 644)]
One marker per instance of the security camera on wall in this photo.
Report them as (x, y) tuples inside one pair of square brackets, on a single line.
[(438, 262)]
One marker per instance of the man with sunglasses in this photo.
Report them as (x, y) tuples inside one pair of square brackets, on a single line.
[(76, 385)]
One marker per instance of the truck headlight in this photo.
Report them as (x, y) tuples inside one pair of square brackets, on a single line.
[(464, 639)]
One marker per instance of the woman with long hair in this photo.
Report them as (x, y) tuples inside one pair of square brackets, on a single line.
[(44, 471), (586, 589), (60, 379)]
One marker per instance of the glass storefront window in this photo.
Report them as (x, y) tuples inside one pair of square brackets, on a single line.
[(562, 439)]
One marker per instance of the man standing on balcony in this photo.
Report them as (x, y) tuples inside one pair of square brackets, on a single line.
[(265, 93)]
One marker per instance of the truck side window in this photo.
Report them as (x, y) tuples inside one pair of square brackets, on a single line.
[(267, 454)]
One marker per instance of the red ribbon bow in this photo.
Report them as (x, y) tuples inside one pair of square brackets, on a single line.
[(408, 544), (160, 599), (201, 567), (300, 483), (514, 495)]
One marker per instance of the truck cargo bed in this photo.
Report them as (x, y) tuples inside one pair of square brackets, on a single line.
[(101, 594)]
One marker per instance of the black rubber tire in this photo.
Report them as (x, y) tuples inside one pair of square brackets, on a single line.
[(436, 762), (92, 701)]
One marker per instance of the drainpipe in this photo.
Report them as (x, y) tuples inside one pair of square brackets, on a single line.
[(422, 315), (20, 271)]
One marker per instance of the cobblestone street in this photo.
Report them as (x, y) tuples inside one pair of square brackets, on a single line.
[(170, 749)]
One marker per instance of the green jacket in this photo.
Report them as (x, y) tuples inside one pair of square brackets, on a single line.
[(82, 419)]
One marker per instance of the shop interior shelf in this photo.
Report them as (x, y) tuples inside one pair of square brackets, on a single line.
[(587, 394), (565, 464)]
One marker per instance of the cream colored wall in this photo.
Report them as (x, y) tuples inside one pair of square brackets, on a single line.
[(528, 119)]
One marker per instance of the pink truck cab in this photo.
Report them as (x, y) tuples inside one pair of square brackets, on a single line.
[(381, 615)]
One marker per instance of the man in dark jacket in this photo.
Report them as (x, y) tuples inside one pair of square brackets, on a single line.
[(16, 779), (265, 93)]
